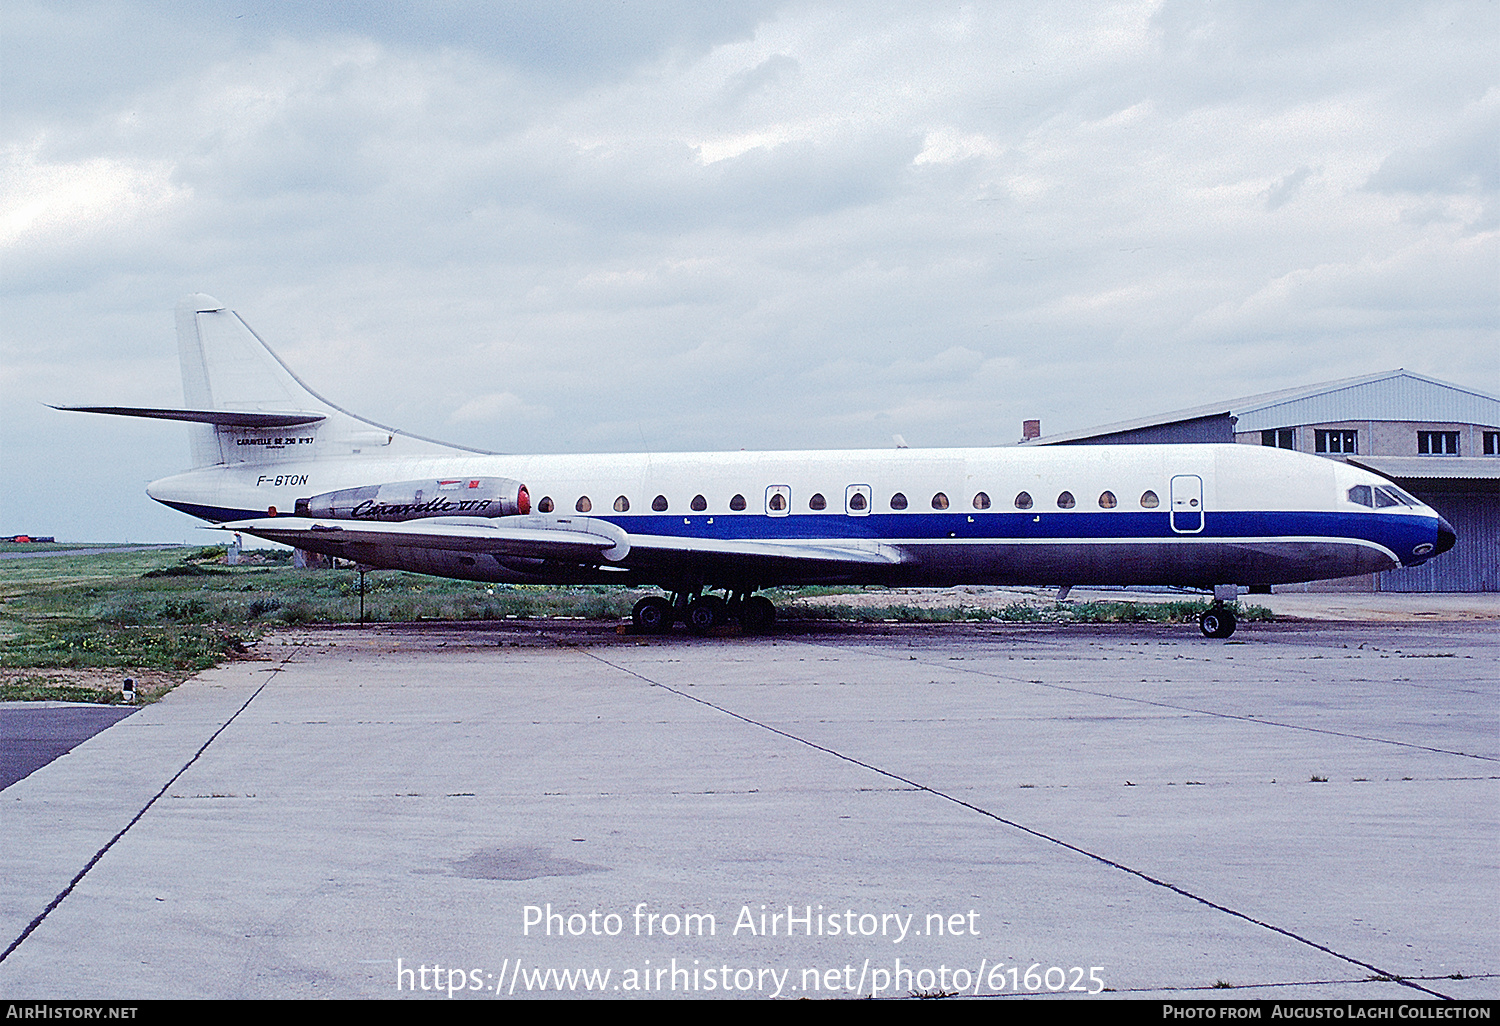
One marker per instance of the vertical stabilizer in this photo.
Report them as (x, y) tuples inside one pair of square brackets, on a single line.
[(226, 368)]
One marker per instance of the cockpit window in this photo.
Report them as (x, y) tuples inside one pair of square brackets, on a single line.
[(1384, 499), (1405, 497), (1362, 495)]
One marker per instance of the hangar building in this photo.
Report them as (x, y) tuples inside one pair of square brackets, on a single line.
[(1439, 441)]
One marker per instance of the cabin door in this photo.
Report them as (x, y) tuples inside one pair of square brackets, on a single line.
[(1187, 504)]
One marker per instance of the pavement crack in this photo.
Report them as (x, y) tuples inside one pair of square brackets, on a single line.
[(1101, 859), (41, 916)]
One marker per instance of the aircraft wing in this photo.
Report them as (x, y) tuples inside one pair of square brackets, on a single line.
[(576, 540), (566, 539)]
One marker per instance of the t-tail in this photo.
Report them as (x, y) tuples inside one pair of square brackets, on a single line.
[(245, 406)]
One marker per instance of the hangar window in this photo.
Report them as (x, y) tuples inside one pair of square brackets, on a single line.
[(1023, 500), (699, 504), (659, 504), (857, 501), (1492, 443), (545, 506), (1281, 438), (1362, 495), (622, 504), (898, 501), (981, 501), (1107, 500), (940, 501), (1336, 441), (737, 503), (583, 505), (1437, 443), (817, 501), (1066, 501), (1149, 500)]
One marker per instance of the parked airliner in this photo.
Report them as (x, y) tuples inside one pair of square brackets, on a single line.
[(273, 459)]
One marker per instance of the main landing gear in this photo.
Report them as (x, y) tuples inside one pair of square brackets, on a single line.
[(702, 613)]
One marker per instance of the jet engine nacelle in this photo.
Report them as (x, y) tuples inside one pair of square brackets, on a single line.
[(412, 500)]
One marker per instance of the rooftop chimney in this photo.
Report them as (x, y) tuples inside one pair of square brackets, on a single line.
[(1030, 429)]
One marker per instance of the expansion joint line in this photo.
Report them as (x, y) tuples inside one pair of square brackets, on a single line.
[(31, 927), (1155, 703), (1148, 878)]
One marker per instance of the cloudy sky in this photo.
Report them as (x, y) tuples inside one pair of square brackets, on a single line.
[(570, 226)]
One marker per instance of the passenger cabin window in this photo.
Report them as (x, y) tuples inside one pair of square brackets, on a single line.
[(981, 501), (1336, 441), (1066, 501), (737, 503), (1149, 500), (622, 504), (1281, 438), (778, 500), (583, 505), (699, 504), (1437, 443), (545, 506), (940, 501), (1023, 500), (817, 501), (898, 501), (659, 504), (1107, 500), (1362, 494), (857, 501)]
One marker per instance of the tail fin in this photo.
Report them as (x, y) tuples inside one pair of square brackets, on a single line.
[(245, 406), (261, 411)]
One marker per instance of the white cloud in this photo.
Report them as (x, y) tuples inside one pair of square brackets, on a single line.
[(570, 226)]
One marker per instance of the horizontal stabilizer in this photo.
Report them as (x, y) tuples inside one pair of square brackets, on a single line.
[(223, 418)]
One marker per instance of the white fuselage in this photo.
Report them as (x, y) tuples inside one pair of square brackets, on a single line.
[(1135, 514)]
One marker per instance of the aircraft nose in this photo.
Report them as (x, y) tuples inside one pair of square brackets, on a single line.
[(1447, 537)]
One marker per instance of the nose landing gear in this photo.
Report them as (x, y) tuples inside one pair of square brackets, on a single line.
[(1217, 622)]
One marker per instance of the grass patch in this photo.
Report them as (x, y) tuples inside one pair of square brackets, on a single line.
[(183, 610)]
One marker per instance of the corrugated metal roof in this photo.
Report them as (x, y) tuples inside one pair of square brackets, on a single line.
[(1433, 468), (1389, 395)]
